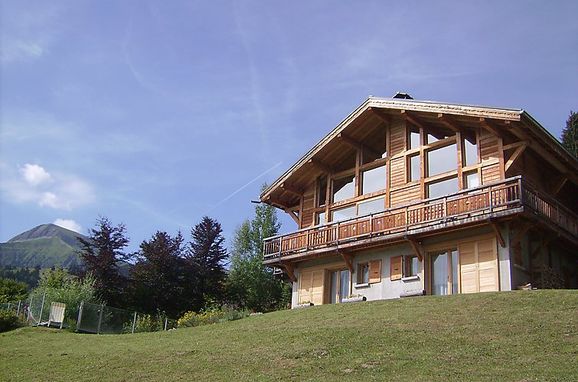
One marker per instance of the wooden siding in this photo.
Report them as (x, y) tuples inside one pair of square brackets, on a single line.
[(397, 171), (308, 217), (405, 195), (397, 137)]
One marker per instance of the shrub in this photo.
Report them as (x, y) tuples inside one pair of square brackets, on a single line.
[(8, 321), (211, 316)]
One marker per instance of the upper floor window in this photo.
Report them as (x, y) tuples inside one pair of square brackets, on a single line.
[(344, 188), (441, 188), (371, 206), (470, 151), (373, 180), (442, 160), (343, 214), (414, 168), (471, 179), (321, 190), (413, 139)]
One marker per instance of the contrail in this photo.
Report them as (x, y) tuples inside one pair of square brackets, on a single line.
[(243, 187)]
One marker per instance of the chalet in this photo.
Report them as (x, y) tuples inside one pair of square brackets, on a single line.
[(408, 197)]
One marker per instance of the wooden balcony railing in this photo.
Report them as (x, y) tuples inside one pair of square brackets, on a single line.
[(500, 198)]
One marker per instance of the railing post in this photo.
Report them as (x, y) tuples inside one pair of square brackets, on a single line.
[(133, 323), (100, 319), (280, 242), (41, 308)]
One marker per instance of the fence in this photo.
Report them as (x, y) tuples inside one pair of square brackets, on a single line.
[(89, 318)]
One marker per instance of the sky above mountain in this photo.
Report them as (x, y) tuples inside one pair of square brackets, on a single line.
[(156, 113)]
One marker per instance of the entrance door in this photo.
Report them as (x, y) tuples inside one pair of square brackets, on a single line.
[(444, 271), (479, 266), (339, 286)]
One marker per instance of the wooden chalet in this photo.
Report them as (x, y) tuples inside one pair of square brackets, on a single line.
[(408, 197)]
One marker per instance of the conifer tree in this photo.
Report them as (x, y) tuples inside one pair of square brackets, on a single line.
[(569, 136)]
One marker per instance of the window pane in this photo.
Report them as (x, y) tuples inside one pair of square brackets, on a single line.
[(343, 285), (343, 188), (442, 160), (413, 266), (371, 206), (414, 168), (373, 180), (414, 142), (444, 187), (471, 180), (321, 191), (320, 218), (470, 151), (343, 214), (431, 138)]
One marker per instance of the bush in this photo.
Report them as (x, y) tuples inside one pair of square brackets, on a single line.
[(211, 316), (11, 290), (145, 323), (8, 321)]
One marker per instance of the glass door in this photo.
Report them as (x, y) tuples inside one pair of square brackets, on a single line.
[(444, 271), (339, 286)]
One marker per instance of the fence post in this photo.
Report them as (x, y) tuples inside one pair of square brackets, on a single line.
[(41, 309), (18, 310), (29, 309), (79, 319), (166, 322), (8, 308), (133, 323), (100, 319)]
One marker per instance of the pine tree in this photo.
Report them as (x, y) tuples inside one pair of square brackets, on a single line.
[(569, 135), (162, 278), (250, 284), (101, 255), (208, 256)]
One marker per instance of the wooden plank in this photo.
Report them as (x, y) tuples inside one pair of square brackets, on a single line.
[(348, 261), (321, 166), (515, 155), (395, 270), (448, 122), (374, 271), (417, 248), (498, 233)]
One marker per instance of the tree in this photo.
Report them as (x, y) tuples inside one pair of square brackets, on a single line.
[(569, 135), (101, 254), (11, 291), (250, 284), (162, 279), (207, 255)]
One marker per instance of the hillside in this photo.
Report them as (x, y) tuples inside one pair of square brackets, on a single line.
[(508, 336), (45, 246)]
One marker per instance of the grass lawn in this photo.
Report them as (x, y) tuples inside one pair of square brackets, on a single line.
[(508, 336)]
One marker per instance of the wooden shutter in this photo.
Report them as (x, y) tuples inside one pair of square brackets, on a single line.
[(479, 266), (317, 281), (305, 286), (374, 271), (395, 268)]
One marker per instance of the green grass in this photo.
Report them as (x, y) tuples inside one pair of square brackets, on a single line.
[(513, 336)]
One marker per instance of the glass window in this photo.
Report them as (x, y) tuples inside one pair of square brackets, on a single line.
[(470, 151), (373, 180), (371, 206), (442, 160), (321, 190), (414, 141), (411, 266), (431, 138), (320, 218), (471, 180), (445, 187), (344, 188), (343, 214), (414, 168), (363, 273)]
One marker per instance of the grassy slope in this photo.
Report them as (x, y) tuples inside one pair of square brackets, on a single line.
[(514, 336), (44, 252)]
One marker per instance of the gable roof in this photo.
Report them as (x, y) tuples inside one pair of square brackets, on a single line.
[(517, 121)]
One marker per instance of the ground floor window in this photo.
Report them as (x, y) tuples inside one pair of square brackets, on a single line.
[(411, 266)]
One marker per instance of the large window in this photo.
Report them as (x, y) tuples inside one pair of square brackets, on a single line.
[(371, 206), (343, 214), (343, 188), (441, 188), (470, 150), (321, 190), (414, 164), (442, 160), (413, 139), (471, 179), (373, 180)]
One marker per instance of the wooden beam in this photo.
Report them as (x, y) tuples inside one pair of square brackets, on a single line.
[(348, 260), (515, 145), (416, 246), (558, 187), (290, 271), (321, 166), (293, 215), (411, 119), (381, 115), (498, 233), (358, 145), (448, 122), (488, 125), (514, 156), (290, 189)]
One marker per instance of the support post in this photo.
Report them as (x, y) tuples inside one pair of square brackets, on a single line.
[(29, 309), (100, 319), (166, 323), (79, 319), (18, 310), (41, 308), (133, 323)]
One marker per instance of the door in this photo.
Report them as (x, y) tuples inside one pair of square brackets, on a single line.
[(444, 272), (311, 286), (339, 285), (479, 266)]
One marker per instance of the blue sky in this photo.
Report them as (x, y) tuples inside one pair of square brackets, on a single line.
[(155, 113)]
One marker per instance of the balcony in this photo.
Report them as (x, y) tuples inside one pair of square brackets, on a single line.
[(469, 207)]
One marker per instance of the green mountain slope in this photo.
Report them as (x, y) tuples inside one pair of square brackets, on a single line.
[(507, 336), (46, 246)]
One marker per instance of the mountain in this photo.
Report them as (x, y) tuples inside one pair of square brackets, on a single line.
[(46, 246)]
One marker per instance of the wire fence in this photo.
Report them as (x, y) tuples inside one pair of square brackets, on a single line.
[(86, 317)]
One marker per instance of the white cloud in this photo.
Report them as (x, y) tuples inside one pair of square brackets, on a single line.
[(20, 50), (34, 174), (34, 184), (68, 224)]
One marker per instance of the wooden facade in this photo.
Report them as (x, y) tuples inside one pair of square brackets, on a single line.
[(405, 172)]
